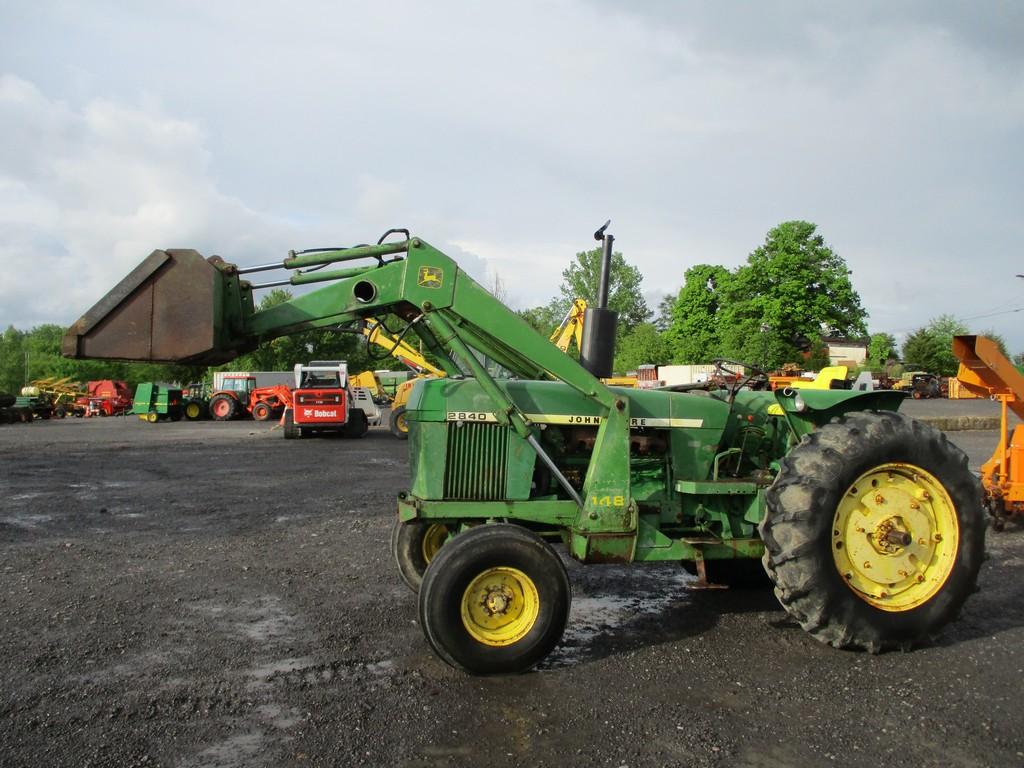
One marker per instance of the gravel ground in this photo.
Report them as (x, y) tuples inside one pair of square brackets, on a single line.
[(212, 595)]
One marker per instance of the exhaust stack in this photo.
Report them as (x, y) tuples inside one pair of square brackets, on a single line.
[(600, 323)]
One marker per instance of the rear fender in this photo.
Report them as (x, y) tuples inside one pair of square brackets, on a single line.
[(808, 409)]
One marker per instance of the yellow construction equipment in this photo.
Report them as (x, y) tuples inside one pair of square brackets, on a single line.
[(375, 333), (985, 371), (825, 379), (571, 327), (368, 380)]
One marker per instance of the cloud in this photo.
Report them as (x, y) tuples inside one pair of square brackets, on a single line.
[(507, 133), (85, 194)]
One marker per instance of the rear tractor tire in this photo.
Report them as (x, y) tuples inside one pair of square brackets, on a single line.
[(495, 600), (399, 425), (874, 532), (414, 545), (223, 407)]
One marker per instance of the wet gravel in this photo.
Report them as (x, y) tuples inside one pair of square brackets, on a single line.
[(212, 595)]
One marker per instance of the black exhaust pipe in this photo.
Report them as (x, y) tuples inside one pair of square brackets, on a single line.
[(600, 323)]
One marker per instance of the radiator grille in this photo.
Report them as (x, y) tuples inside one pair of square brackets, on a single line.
[(477, 462)]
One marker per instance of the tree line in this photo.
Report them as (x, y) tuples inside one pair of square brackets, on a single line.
[(792, 293), (778, 307), (35, 354)]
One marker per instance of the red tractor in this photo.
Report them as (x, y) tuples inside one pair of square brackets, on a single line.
[(323, 402), (239, 396)]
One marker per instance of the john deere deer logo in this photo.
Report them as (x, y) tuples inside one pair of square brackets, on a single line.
[(430, 277)]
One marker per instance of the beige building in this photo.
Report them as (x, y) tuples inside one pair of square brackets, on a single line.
[(848, 352)]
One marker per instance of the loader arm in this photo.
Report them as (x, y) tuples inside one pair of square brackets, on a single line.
[(178, 307)]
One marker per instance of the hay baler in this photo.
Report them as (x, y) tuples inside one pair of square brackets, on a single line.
[(868, 523)]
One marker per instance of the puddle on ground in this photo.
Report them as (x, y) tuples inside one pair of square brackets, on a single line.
[(235, 751), (26, 521), (599, 612)]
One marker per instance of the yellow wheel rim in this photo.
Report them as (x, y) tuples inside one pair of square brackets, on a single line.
[(895, 537), (192, 410), (152, 417), (500, 606), (400, 422), (433, 538)]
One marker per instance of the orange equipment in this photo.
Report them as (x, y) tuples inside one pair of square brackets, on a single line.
[(986, 372), (239, 395)]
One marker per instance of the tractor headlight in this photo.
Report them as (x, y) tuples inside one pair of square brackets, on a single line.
[(799, 404)]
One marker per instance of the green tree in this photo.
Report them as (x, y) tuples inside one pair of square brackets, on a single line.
[(663, 315), (793, 288), (282, 353), (543, 319), (12, 360), (931, 348), (923, 351), (639, 346), (693, 335), (817, 356), (581, 279), (881, 349), (998, 339)]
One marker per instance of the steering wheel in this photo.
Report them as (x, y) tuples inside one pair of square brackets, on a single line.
[(735, 368)]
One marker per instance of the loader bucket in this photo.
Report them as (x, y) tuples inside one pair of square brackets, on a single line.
[(173, 307)]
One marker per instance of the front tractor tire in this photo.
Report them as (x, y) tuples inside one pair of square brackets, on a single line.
[(223, 407), (495, 600), (262, 411), (874, 532), (414, 545)]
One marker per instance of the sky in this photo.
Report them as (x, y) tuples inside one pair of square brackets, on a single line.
[(506, 133)]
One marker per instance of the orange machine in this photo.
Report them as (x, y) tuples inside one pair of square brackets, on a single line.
[(986, 372), (239, 396)]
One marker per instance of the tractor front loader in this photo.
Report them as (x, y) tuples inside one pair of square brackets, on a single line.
[(868, 522)]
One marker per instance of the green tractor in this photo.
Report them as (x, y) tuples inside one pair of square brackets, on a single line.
[(868, 523)]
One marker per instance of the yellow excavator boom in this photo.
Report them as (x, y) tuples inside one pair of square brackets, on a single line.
[(571, 327), (376, 334)]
